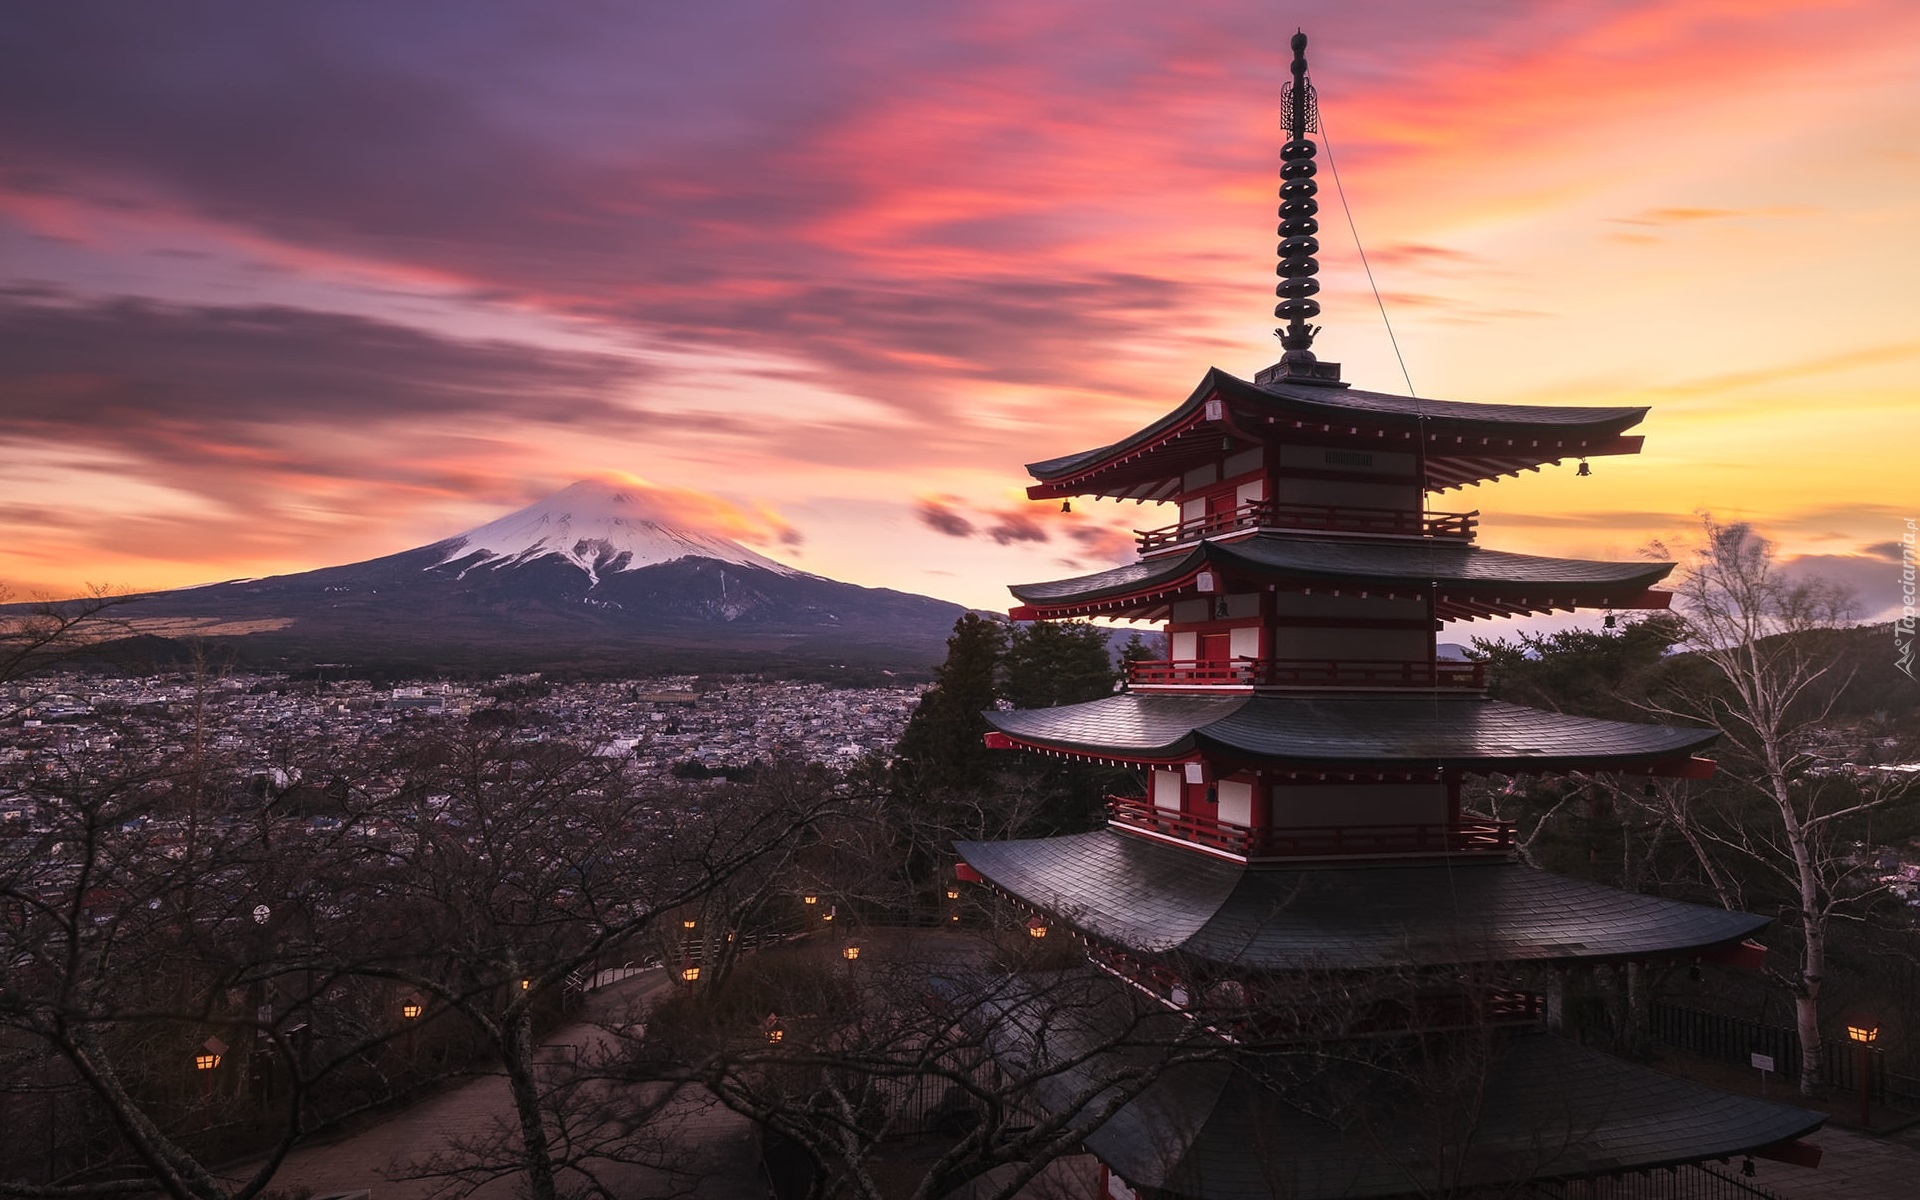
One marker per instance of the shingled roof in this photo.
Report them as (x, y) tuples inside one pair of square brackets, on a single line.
[(1453, 572), (1545, 1108), (1154, 899), (1459, 443), (1458, 732)]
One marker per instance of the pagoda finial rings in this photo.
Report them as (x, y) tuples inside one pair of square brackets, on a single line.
[(1300, 227), (1299, 168), (1299, 208), (1299, 149), (1297, 309), (1298, 189), (1297, 268), (1297, 287), (1295, 246)]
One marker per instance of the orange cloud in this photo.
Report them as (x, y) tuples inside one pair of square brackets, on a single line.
[(702, 512)]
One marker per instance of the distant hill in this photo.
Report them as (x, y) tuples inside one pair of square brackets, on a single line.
[(581, 581)]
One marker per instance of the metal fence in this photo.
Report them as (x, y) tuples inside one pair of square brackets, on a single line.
[(1700, 1181), (1737, 1039)]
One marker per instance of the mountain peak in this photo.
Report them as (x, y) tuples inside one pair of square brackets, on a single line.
[(601, 527)]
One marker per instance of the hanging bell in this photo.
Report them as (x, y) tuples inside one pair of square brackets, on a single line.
[(1609, 622), (1066, 506), (1585, 469)]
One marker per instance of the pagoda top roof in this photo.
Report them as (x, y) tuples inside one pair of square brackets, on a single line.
[(1413, 566), (1430, 731), (1459, 442), (1153, 898)]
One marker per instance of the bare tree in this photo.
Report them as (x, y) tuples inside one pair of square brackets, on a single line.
[(40, 633), (995, 1051), (1767, 640), (152, 983), (517, 867)]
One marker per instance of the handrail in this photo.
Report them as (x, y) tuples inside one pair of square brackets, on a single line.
[(1466, 837), (1308, 672), (1319, 517)]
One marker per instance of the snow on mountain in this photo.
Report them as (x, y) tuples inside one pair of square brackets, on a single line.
[(598, 527)]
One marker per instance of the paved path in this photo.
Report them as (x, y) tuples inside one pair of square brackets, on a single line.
[(720, 1145)]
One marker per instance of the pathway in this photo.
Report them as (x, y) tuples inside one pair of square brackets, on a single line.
[(720, 1144)]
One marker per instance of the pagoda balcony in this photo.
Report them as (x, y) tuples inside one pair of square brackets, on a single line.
[(1308, 672), (1310, 841), (1267, 514)]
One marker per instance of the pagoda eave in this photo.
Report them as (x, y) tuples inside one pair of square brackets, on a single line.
[(1151, 897), (1460, 444)]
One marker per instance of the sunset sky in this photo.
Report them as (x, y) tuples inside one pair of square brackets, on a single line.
[(290, 285)]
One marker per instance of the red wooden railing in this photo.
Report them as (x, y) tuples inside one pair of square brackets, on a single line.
[(1309, 672), (1468, 837), (1345, 519)]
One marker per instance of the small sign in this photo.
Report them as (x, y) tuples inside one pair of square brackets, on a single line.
[(1762, 1062)]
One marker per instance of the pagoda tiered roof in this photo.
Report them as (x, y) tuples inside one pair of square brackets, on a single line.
[(1393, 1117), (1464, 580), (1372, 735), (1457, 443), (1150, 898)]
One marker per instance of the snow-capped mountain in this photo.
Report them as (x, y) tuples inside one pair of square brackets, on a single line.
[(591, 578), (597, 526)]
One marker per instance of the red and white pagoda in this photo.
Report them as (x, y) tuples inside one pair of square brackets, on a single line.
[(1301, 753)]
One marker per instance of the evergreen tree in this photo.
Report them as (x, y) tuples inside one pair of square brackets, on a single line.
[(942, 747), (1056, 662)]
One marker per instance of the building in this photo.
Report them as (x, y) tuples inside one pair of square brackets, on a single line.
[(1297, 874)]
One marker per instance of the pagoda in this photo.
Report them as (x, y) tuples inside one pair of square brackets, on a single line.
[(1297, 830)]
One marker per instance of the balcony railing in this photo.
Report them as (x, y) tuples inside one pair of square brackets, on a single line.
[(1266, 513), (1307, 672), (1311, 841)]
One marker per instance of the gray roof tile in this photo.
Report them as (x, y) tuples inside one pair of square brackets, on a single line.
[(1465, 732), (1158, 899)]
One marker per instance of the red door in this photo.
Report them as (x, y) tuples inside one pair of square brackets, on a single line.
[(1220, 508), (1213, 654)]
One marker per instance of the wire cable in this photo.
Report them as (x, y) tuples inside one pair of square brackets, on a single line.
[(1347, 211)]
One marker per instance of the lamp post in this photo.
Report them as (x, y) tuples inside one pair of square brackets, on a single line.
[(206, 1062), (410, 1010), (1862, 1031)]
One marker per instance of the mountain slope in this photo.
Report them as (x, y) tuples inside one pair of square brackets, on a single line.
[(582, 579)]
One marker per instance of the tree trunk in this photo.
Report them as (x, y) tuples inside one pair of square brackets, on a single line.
[(525, 1088)]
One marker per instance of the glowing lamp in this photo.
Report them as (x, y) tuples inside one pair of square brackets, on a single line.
[(410, 1011), (688, 923), (953, 893), (526, 985), (1036, 928), (689, 974), (1862, 1029), (205, 1062), (850, 953), (809, 899)]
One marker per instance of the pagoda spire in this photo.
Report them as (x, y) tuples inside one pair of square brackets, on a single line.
[(1301, 112)]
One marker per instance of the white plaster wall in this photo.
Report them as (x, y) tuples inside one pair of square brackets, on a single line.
[(1236, 802), (1166, 789)]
